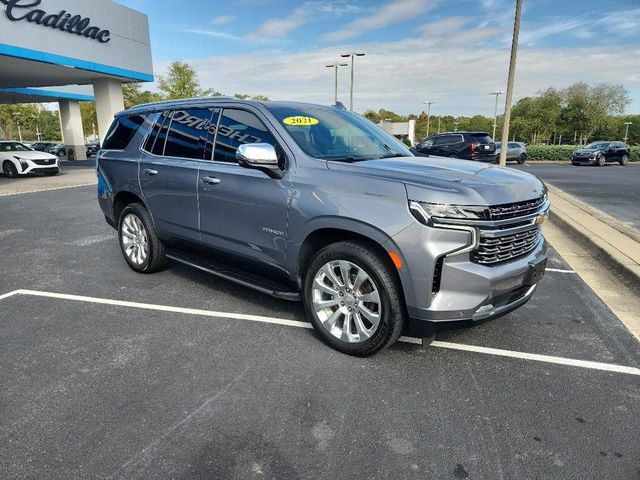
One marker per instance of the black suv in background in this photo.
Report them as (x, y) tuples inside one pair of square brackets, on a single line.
[(466, 145), (599, 153)]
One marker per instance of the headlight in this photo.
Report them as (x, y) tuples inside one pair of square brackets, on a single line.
[(21, 160), (424, 211)]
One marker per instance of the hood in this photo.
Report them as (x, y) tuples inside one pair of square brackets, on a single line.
[(33, 155), (451, 181), (587, 150)]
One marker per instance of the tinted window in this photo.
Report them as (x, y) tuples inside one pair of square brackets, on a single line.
[(238, 127), (513, 145), (443, 140), (482, 138), (161, 137), (191, 133), (153, 134), (122, 131)]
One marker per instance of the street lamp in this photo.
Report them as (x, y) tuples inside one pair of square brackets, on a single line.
[(626, 133), (428, 104), (495, 115), (352, 55), (335, 88)]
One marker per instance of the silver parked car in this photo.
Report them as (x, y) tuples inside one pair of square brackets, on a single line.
[(315, 203), (516, 152)]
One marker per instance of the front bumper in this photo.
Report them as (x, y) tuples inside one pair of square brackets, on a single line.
[(27, 166), (585, 160), (451, 274)]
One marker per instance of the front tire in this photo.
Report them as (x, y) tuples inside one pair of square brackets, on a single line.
[(9, 169), (624, 160), (601, 160), (353, 298), (139, 241), (522, 158)]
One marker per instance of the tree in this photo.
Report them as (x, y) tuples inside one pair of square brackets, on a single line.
[(589, 108), (181, 81), (244, 96), (89, 118), (134, 95)]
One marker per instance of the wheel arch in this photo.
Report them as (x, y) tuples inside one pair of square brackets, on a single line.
[(121, 200), (324, 234), (14, 162)]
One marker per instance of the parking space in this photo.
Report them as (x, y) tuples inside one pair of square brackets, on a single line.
[(612, 188), (96, 389)]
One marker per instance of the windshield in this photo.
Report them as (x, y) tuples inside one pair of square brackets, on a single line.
[(14, 147), (597, 146), (334, 134)]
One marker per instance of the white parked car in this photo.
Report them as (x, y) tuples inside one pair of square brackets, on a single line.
[(18, 159)]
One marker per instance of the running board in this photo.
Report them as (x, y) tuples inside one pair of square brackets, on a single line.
[(245, 279)]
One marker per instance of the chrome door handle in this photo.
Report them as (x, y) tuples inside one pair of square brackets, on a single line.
[(150, 171), (211, 180)]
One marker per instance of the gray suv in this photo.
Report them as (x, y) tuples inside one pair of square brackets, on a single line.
[(315, 203)]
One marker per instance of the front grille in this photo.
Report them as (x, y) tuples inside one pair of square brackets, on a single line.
[(512, 210), (44, 162), (507, 247)]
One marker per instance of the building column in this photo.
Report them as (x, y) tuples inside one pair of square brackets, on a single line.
[(412, 132), (109, 101), (72, 133)]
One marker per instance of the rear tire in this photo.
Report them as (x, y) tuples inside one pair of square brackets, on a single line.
[(624, 160), (139, 241), (453, 155), (522, 158), (338, 309), (9, 169)]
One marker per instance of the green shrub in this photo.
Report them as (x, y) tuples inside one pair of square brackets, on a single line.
[(563, 152)]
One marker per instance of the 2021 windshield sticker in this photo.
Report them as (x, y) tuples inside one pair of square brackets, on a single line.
[(300, 121)]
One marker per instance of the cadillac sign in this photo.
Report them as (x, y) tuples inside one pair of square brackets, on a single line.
[(25, 10)]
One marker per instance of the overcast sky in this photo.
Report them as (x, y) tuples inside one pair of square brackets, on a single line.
[(450, 52)]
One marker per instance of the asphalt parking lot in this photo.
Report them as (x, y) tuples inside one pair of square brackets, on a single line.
[(612, 188), (211, 380)]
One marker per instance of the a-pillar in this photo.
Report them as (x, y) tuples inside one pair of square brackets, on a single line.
[(72, 133), (109, 101)]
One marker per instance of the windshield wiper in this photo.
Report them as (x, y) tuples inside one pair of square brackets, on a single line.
[(393, 155)]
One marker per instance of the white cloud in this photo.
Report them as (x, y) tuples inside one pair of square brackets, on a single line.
[(301, 15), (211, 33), (391, 13), (222, 19)]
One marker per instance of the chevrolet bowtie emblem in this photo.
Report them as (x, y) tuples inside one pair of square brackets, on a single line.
[(540, 219)]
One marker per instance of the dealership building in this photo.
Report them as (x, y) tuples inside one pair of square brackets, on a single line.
[(68, 51)]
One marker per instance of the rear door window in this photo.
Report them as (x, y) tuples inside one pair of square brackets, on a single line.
[(442, 140), (237, 127), (122, 131), (482, 138), (191, 133)]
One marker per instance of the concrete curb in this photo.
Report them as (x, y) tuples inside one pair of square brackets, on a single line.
[(619, 251)]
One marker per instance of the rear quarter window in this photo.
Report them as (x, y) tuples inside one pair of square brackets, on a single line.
[(481, 138), (122, 131)]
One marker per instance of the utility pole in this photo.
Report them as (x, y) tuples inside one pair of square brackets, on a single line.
[(439, 118), (626, 134), (495, 115), (352, 55), (19, 133), (512, 72), (455, 126), (428, 104), (335, 86)]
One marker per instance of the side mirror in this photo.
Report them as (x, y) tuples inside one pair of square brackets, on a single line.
[(259, 156)]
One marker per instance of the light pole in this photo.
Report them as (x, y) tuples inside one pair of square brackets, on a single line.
[(512, 73), (352, 55), (455, 126), (626, 133), (428, 104), (335, 87), (495, 115), (439, 118)]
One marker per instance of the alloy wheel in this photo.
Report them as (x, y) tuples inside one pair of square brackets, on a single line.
[(135, 242), (347, 301)]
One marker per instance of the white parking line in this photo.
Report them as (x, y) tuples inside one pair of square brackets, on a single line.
[(294, 323), (559, 270)]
